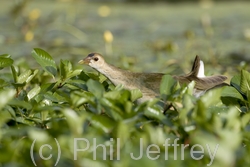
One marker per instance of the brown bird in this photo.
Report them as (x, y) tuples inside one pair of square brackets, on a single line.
[(149, 83)]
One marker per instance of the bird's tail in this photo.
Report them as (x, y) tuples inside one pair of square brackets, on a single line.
[(202, 81), (198, 68)]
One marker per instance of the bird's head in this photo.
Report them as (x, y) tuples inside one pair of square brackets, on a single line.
[(94, 60)]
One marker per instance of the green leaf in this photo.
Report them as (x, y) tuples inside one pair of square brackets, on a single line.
[(18, 85), (245, 120), (135, 94), (47, 87), (200, 112), (33, 92), (5, 56), (14, 73), (45, 60), (4, 116), (122, 131), (78, 98), (20, 103), (77, 83), (6, 96), (95, 87), (121, 95), (167, 85), (32, 76), (3, 83), (235, 82), (245, 81), (111, 109), (26, 76), (190, 87), (65, 68), (102, 78), (231, 92), (38, 135), (5, 62), (75, 121), (248, 97), (188, 104), (22, 78), (231, 96), (211, 97), (102, 123), (157, 114), (74, 73)]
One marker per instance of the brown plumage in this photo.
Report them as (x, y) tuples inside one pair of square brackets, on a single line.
[(201, 82), (149, 83)]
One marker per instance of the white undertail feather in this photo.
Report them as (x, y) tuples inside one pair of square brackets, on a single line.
[(201, 74), (201, 70)]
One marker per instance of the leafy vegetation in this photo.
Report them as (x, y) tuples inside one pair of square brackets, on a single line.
[(55, 113), (57, 103)]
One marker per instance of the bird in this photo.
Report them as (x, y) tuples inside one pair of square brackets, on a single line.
[(149, 83)]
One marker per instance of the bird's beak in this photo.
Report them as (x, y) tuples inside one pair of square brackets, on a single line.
[(84, 61)]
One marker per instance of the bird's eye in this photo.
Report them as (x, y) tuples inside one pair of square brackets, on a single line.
[(96, 59)]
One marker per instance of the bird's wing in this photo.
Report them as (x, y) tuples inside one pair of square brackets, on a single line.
[(152, 81), (197, 74), (197, 68), (210, 81)]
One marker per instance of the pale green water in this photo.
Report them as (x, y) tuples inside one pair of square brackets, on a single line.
[(141, 32)]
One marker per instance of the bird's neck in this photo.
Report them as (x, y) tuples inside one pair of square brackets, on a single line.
[(114, 74)]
